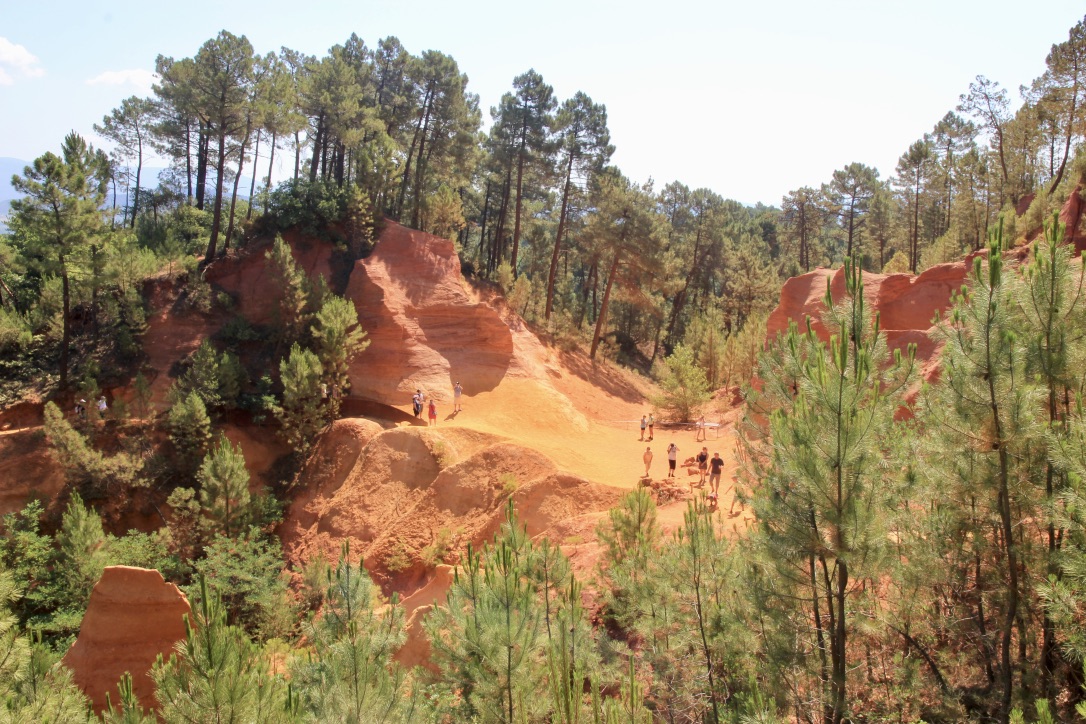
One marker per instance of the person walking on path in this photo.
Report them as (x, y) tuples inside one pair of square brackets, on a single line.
[(647, 457), (651, 421), (416, 403), (644, 424), (458, 392), (703, 465), (700, 436), (672, 456), (433, 412), (715, 466)]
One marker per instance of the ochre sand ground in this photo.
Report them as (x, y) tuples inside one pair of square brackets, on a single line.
[(605, 451)]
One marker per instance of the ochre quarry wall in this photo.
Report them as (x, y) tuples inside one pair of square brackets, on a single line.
[(427, 328), (907, 305), (133, 616)]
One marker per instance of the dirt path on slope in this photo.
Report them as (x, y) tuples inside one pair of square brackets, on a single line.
[(603, 451)]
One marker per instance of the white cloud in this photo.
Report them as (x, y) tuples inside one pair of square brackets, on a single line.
[(15, 58), (137, 77)]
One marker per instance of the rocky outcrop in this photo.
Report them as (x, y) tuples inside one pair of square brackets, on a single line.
[(133, 616), (427, 328), (908, 305)]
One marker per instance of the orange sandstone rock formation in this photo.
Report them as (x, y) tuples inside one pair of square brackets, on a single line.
[(428, 329), (908, 305), (133, 616)]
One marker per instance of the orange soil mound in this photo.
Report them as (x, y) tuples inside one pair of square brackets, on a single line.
[(393, 492), (133, 616)]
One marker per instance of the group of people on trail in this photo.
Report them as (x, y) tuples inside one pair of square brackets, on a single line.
[(647, 422), (81, 407), (713, 466), (418, 401), (672, 457)]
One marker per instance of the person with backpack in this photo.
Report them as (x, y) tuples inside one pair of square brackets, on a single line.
[(416, 403)]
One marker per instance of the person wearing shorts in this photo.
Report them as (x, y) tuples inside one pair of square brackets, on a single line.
[(644, 424), (672, 457), (458, 392), (703, 465), (651, 421), (715, 466)]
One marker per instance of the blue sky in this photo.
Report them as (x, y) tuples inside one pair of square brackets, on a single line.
[(750, 99)]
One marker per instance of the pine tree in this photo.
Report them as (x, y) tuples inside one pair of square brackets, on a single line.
[(87, 468), (300, 414), (1051, 313), (487, 641), (820, 489), (128, 709), (82, 555), (224, 487), (60, 213), (217, 675), (339, 338), (983, 414), (190, 430), (34, 686), (685, 388), (352, 677), (292, 291)]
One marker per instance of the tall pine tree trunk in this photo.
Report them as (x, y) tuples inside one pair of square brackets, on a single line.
[(66, 326), (1070, 129), (602, 318), (252, 185), (234, 192), (139, 171), (202, 151), (558, 237), (516, 218), (216, 220), (271, 167)]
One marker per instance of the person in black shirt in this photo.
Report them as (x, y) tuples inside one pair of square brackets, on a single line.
[(715, 466)]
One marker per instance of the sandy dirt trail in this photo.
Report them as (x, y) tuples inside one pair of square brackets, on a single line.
[(603, 451)]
